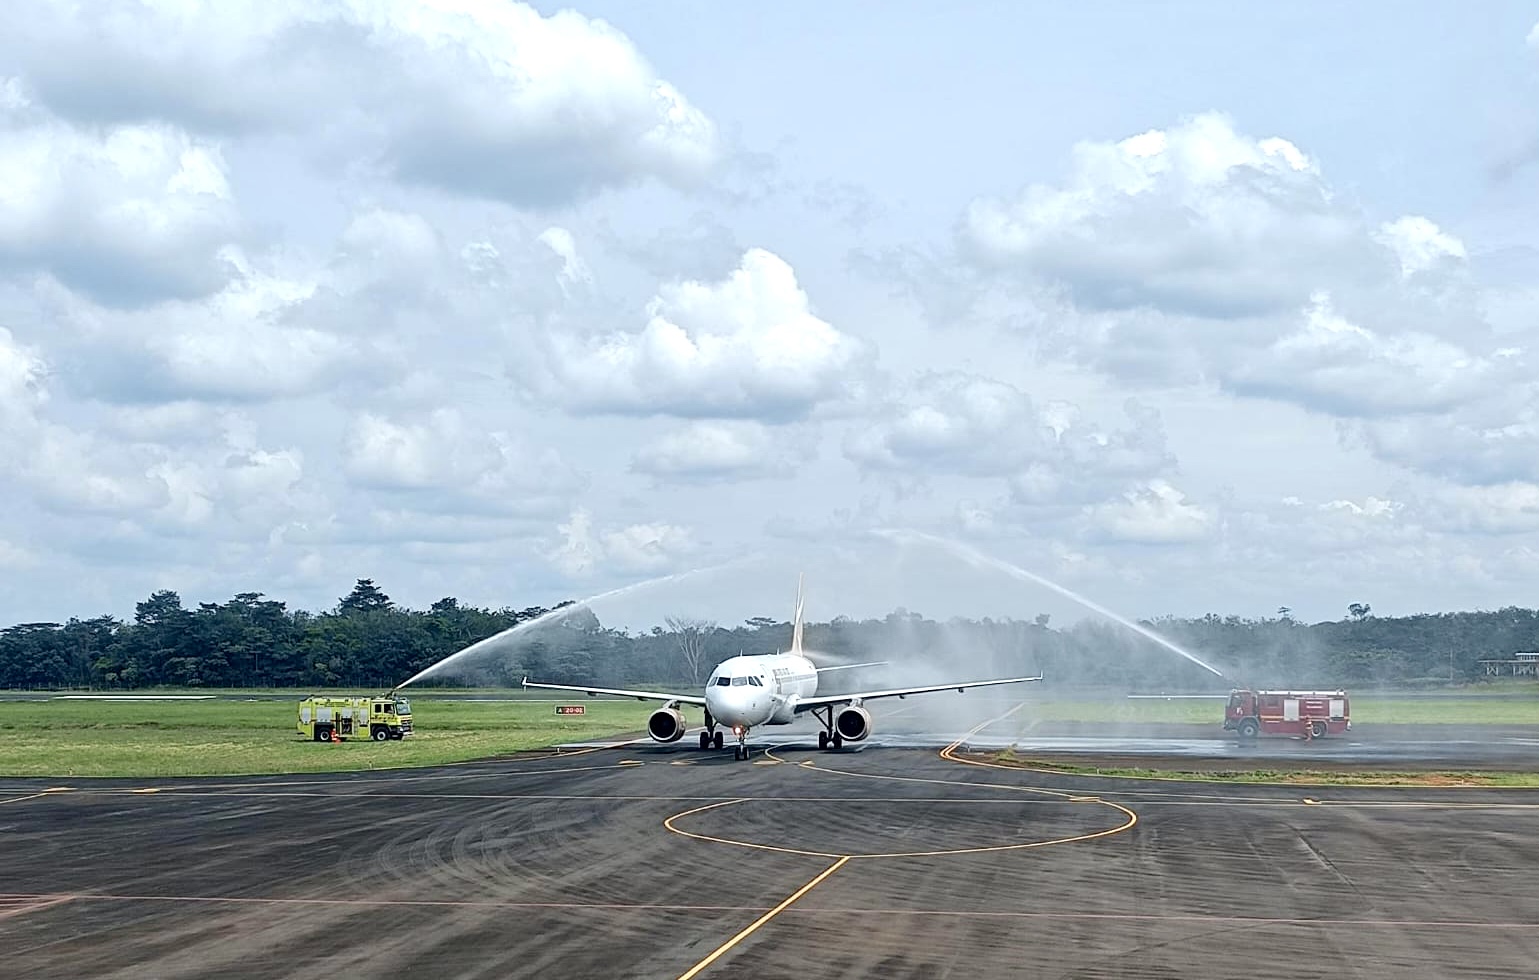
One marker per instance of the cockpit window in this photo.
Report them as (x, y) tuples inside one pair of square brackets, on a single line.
[(723, 681), (755, 682), (739, 682)]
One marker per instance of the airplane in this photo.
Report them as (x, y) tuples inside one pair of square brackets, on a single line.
[(745, 692)]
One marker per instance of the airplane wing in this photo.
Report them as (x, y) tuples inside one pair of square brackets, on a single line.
[(638, 695), (874, 663), (823, 701)]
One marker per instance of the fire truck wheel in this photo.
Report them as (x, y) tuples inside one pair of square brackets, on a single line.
[(381, 733), (1249, 728), (1317, 729)]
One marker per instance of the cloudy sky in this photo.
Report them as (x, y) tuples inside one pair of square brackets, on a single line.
[(1189, 307)]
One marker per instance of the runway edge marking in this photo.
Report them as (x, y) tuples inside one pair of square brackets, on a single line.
[(753, 927)]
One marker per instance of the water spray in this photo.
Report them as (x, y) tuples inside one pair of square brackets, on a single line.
[(977, 558), (561, 612)]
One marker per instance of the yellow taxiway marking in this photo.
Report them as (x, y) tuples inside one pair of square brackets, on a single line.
[(147, 789), (682, 762), (1309, 802), (668, 823), (631, 762), (721, 950), (50, 791), (766, 762), (985, 849)]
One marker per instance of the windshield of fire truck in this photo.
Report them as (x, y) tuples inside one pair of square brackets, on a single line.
[(402, 706)]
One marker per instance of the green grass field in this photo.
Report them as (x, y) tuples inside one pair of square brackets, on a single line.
[(171, 738)]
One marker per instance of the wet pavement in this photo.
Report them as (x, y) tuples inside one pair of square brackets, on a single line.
[(1496, 747)]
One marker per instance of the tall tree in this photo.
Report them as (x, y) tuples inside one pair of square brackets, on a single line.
[(365, 597), (690, 635)]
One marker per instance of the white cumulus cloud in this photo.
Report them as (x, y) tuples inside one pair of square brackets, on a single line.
[(717, 450), (585, 550), (488, 99), (447, 461), (22, 373), (1153, 513), (1336, 366), (1495, 440), (126, 213), (743, 347), (969, 425), (1197, 219)]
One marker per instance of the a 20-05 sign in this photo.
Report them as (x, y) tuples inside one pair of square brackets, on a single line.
[(571, 709)]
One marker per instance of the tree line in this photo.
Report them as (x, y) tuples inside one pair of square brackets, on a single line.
[(367, 640)]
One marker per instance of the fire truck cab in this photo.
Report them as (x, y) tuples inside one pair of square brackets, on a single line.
[(1310, 714)]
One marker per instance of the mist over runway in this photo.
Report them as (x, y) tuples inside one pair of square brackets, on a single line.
[(940, 719), (1166, 746)]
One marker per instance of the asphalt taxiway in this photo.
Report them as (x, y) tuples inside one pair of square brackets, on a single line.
[(668, 862)]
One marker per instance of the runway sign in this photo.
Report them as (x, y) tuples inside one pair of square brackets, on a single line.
[(571, 709)]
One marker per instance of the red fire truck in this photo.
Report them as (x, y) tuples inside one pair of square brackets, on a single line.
[(1311, 714)]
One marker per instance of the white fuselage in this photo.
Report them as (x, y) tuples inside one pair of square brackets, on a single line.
[(745, 692)]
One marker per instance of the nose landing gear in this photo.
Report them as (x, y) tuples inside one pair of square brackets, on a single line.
[(740, 751)]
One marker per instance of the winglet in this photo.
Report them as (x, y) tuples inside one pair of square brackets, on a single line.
[(796, 623)]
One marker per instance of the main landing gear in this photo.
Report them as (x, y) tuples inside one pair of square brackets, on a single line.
[(711, 737), (828, 738)]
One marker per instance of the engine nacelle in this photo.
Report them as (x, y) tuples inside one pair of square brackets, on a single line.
[(852, 723), (665, 725)]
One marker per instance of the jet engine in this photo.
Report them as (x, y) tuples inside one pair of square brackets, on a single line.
[(666, 725), (852, 723)]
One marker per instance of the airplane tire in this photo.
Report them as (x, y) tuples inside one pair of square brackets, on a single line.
[(837, 741), (822, 740), (716, 740), (705, 740)]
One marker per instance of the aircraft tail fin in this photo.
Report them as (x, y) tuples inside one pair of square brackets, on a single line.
[(796, 622)]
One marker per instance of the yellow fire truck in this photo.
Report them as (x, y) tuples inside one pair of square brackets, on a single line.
[(383, 717)]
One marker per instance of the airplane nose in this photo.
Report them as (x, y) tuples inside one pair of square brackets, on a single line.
[(732, 704)]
